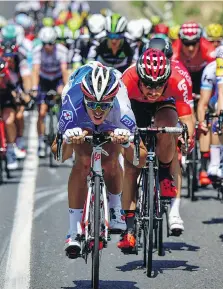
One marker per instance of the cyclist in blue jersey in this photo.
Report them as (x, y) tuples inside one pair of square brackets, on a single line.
[(94, 99)]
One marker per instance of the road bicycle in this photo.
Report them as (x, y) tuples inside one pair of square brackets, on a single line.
[(52, 100), (95, 219), (191, 170), (3, 149), (151, 206), (216, 182)]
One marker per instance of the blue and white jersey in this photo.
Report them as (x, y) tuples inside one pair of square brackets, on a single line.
[(210, 81), (73, 112)]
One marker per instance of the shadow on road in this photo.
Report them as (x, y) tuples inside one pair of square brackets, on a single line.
[(221, 237), (213, 221), (159, 266), (104, 285), (180, 246)]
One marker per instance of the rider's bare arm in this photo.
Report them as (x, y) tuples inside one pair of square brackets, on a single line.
[(220, 98), (205, 96), (64, 71), (188, 120), (35, 75), (67, 150)]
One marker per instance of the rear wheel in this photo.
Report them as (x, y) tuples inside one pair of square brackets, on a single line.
[(95, 252)]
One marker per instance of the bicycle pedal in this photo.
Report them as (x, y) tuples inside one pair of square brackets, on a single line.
[(129, 251)]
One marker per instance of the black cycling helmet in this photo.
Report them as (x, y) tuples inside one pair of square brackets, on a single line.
[(161, 44)]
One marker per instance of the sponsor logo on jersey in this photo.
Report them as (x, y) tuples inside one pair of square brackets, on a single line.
[(209, 80), (127, 121), (184, 74), (182, 86), (219, 69), (65, 118)]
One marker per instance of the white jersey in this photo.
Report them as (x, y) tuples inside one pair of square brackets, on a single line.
[(50, 64)]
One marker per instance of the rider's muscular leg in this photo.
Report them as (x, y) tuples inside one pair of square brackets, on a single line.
[(175, 170), (131, 174), (8, 115), (166, 143), (40, 122), (20, 121), (113, 173), (77, 184)]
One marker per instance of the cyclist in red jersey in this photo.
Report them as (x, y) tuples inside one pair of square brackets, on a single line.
[(195, 52), (156, 87), (8, 113)]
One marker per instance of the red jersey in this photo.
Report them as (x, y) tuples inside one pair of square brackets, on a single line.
[(178, 87), (206, 54)]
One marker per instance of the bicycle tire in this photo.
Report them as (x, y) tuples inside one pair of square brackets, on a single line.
[(51, 137), (95, 251), (151, 219), (145, 225), (189, 180), (194, 173), (1, 170), (160, 234)]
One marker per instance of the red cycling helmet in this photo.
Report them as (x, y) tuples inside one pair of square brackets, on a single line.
[(161, 28), (190, 31), (153, 68)]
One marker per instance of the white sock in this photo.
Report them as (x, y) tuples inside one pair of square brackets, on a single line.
[(10, 147), (121, 161), (75, 216), (114, 200), (215, 155), (41, 139), (175, 207)]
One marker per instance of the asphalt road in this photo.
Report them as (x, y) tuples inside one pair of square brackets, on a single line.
[(34, 223)]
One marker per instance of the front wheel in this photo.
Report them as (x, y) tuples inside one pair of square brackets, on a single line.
[(95, 251), (151, 219)]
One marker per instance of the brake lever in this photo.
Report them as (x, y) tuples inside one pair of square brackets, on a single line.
[(59, 146), (136, 148)]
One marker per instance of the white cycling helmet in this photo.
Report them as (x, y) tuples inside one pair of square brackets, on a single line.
[(24, 20), (3, 21), (22, 7), (34, 5), (96, 23), (47, 35), (147, 25), (135, 29), (100, 83)]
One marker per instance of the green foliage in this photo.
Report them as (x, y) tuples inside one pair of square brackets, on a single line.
[(139, 4), (193, 11)]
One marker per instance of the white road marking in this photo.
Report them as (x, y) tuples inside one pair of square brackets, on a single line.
[(18, 262), (59, 198), (48, 192)]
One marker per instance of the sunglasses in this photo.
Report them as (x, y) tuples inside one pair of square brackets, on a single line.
[(154, 86), (49, 43), (189, 43), (93, 105), (115, 35)]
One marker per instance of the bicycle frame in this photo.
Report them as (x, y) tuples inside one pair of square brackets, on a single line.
[(96, 169)]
